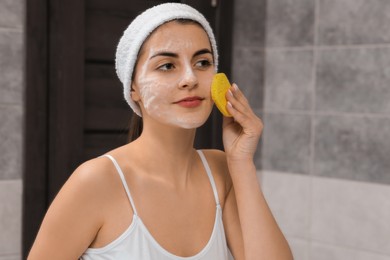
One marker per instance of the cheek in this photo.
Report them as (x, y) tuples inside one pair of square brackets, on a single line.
[(153, 93), (206, 78), (152, 89)]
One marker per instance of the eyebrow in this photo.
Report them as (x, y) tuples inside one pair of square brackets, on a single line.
[(165, 53), (202, 51), (175, 55)]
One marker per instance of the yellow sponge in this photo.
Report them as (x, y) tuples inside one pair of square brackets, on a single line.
[(219, 87)]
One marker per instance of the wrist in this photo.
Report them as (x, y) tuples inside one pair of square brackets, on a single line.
[(246, 159), (241, 163)]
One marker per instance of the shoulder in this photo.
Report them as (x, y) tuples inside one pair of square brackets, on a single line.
[(219, 168), (75, 216), (94, 170), (92, 175), (89, 180), (90, 187)]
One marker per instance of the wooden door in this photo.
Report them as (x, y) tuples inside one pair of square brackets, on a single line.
[(74, 104)]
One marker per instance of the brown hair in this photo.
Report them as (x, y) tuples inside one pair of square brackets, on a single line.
[(135, 127)]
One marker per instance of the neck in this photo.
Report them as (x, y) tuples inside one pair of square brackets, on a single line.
[(171, 151)]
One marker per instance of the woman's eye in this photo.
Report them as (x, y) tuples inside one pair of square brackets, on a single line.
[(203, 63), (166, 67)]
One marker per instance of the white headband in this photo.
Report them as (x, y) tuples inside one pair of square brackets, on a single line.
[(141, 27)]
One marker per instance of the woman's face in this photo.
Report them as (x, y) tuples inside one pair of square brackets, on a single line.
[(173, 76)]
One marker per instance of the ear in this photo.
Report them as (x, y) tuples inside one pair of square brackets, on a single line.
[(134, 93)]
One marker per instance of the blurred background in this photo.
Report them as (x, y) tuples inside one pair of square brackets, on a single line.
[(316, 71)]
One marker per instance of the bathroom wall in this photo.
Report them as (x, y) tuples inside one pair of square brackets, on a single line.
[(11, 130), (318, 73)]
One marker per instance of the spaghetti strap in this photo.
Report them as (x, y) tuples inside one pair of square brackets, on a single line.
[(124, 183), (208, 170)]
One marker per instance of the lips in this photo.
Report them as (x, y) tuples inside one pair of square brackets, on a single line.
[(190, 102)]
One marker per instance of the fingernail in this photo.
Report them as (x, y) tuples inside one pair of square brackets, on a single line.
[(230, 92), (235, 87), (229, 104)]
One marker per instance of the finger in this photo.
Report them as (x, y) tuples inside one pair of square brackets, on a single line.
[(233, 101), (238, 113), (239, 94), (249, 122), (239, 107), (238, 101), (239, 117)]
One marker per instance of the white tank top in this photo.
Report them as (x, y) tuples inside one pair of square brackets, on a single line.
[(137, 243)]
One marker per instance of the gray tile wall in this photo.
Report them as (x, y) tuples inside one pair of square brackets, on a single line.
[(328, 62), (353, 80), (289, 80), (290, 23), (11, 128), (249, 23), (353, 22), (11, 66), (286, 142), (353, 147), (320, 79), (12, 14), (248, 53), (10, 218), (11, 142)]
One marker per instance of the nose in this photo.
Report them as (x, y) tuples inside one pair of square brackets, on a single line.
[(189, 79)]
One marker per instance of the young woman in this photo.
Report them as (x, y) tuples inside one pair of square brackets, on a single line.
[(157, 197)]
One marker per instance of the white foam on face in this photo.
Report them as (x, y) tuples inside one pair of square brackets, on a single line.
[(156, 96), (150, 87), (159, 90)]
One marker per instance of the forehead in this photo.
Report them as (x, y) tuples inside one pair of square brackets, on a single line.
[(177, 36)]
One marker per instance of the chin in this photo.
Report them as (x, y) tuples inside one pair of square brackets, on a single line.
[(182, 120), (187, 123)]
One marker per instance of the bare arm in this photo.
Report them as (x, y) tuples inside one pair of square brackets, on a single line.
[(72, 221), (261, 236)]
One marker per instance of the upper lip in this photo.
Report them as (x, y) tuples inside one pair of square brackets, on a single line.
[(192, 98)]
